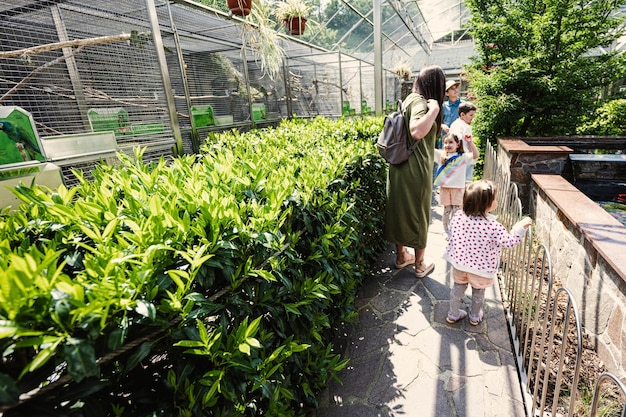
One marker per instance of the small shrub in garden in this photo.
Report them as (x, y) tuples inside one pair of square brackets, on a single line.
[(216, 281), (607, 119)]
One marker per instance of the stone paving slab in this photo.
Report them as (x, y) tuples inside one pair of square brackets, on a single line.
[(405, 360)]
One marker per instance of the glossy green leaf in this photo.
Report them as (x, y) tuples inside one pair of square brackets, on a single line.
[(81, 359)]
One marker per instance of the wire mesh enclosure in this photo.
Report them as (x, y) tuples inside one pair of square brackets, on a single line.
[(83, 67), (108, 81)]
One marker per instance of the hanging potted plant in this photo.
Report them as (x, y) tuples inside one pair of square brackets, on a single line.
[(264, 40), (239, 7), (293, 13)]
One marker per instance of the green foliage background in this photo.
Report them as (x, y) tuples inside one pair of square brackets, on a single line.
[(608, 119), (540, 66)]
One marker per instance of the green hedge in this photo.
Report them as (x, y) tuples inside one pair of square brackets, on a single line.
[(608, 119), (211, 285)]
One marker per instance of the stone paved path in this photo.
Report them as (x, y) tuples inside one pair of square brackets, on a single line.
[(407, 361)]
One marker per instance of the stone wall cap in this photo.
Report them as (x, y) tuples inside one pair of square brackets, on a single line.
[(606, 234), (517, 145), (599, 158)]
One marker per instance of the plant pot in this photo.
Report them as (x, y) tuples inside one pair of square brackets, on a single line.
[(295, 25), (240, 7)]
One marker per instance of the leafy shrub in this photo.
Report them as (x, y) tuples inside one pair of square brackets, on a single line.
[(537, 68), (211, 285), (608, 119)]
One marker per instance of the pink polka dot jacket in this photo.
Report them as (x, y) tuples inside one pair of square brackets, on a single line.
[(476, 243)]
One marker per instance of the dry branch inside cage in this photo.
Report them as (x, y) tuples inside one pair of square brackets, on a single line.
[(79, 44), (34, 50)]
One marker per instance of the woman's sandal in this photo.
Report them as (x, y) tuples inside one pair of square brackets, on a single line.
[(423, 269), (408, 262)]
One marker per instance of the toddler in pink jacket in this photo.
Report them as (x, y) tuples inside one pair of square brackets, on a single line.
[(474, 248)]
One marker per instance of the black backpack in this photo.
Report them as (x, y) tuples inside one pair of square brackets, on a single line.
[(391, 142)]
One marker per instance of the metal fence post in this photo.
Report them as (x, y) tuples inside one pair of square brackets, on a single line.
[(167, 85)]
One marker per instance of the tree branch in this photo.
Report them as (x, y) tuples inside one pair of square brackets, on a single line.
[(37, 71), (34, 50)]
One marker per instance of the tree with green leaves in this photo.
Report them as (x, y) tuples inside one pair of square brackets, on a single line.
[(540, 64), (216, 4), (340, 18)]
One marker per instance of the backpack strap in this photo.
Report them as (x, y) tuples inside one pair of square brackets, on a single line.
[(407, 122)]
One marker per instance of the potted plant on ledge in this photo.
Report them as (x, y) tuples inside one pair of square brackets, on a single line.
[(293, 13), (403, 70)]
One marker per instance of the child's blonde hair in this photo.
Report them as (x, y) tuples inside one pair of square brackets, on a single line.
[(479, 197)]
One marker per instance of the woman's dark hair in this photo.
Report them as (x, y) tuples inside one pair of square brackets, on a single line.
[(431, 84), (478, 197)]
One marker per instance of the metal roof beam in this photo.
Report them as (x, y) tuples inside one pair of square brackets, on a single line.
[(349, 31), (364, 19), (323, 25), (410, 23)]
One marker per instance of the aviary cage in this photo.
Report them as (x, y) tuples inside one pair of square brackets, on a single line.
[(82, 68)]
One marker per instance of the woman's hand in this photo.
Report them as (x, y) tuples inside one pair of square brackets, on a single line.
[(420, 127), (433, 105)]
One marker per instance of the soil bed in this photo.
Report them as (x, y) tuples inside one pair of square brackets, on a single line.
[(589, 370)]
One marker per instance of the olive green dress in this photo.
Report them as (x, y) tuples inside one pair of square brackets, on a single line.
[(409, 186)]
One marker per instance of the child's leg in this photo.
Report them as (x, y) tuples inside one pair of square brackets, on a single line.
[(446, 217), (453, 205), (453, 209), (476, 311), (458, 289), (455, 299)]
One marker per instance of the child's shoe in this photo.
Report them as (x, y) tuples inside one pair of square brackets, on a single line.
[(453, 319), (475, 320)]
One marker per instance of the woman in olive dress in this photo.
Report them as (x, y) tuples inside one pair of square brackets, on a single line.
[(409, 185)]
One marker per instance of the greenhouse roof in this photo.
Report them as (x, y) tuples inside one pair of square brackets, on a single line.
[(416, 32), (409, 27)]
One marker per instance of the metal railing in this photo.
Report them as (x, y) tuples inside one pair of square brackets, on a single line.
[(597, 392), (544, 321)]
